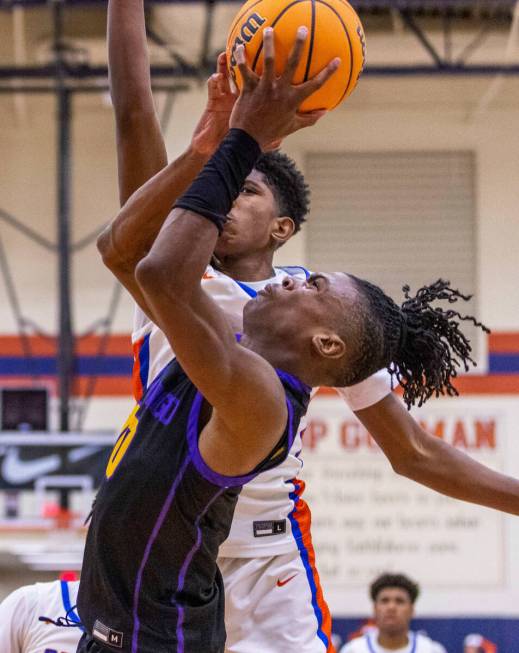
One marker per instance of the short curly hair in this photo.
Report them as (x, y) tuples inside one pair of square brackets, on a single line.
[(288, 185), (394, 580)]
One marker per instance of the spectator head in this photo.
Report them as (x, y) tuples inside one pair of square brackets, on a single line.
[(393, 598)]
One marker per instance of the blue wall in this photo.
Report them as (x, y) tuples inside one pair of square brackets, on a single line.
[(451, 632)]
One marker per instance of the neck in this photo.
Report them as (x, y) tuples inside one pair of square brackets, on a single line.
[(393, 640), (256, 267), (278, 357)]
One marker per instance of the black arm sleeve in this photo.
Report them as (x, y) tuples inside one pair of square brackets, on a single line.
[(213, 192)]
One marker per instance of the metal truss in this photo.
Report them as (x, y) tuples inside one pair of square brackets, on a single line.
[(85, 78)]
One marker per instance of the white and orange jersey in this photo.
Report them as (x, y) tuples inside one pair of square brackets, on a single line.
[(271, 518), (26, 615)]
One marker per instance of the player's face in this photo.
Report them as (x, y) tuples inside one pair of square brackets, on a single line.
[(251, 220), (295, 310), (393, 610)]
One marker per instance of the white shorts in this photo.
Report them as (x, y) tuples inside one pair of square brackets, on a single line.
[(275, 605)]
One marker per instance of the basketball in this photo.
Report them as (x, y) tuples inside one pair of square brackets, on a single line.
[(334, 30)]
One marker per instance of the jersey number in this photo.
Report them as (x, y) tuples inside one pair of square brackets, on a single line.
[(123, 442)]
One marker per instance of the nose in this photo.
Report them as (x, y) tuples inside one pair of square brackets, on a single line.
[(289, 283)]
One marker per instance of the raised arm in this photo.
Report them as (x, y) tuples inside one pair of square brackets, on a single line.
[(229, 376), (416, 454), (140, 147), (141, 152)]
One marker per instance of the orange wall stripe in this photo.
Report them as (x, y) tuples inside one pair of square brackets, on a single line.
[(504, 342), (119, 344)]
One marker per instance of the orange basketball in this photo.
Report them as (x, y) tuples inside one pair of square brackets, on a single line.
[(334, 30)]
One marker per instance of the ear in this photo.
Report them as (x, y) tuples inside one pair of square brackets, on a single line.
[(329, 345), (283, 228)]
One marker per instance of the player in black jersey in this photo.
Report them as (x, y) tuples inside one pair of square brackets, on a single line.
[(216, 416), (224, 410)]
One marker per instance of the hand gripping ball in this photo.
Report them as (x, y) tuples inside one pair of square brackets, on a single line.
[(334, 30)]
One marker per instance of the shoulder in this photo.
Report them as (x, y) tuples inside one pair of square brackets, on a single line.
[(17, 610), (426, 645), (437, 647)]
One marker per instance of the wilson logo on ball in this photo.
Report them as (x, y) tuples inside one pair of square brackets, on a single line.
[(247, 31), (334, 30)]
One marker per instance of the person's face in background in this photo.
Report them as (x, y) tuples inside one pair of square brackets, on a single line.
[(393, 611)]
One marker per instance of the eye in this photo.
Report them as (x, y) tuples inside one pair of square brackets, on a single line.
[(247, 190)]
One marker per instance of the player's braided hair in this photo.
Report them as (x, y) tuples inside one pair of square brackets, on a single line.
[(394, 580), (422, 346), (290, 189)]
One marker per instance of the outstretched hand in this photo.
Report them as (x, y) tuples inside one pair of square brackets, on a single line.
[(267, 108), (214, 123)]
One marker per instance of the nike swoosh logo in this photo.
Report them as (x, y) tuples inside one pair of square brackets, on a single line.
[(280, 583), (17, 472)]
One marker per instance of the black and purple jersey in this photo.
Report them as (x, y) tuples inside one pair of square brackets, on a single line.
[(150, 583)]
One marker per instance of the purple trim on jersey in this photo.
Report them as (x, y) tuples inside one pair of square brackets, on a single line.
[(144, 362), (185, 567), (291, 429), (154, 533), (294, 382), (201, 466)]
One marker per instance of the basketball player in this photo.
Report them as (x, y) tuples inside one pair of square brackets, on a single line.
[(29, 615), (274, 601), (393, 597), (227, 408), (263, 611)]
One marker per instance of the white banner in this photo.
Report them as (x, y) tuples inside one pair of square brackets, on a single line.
[(367, 519)]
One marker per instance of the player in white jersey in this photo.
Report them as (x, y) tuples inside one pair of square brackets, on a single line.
[(393, 596), (274, 601), (416, 643), (29, 615)]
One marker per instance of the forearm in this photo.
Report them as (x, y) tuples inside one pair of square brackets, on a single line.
[(451, 472), (141, 151), (416, 454), (184, 246), (130, 82), (132, 233)]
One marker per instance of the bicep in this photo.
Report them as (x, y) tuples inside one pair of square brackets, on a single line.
[(230, 377), (199, 334)]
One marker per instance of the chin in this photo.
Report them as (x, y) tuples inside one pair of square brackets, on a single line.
[(255, 318)]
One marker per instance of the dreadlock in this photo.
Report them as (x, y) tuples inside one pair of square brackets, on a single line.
[(421, 346)]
